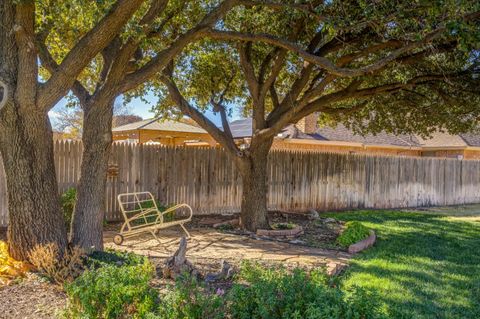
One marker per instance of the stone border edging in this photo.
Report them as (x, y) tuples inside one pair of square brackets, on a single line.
[(363, 244), (280, 232)]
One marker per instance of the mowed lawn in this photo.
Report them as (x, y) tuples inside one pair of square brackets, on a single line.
[(424, 265)]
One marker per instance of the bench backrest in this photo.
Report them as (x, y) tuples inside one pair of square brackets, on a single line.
[(132, 204)]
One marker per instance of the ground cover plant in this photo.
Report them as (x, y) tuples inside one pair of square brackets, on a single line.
[(353, 233), (188, 298), (268, 293), (113, 290), (422, 265)]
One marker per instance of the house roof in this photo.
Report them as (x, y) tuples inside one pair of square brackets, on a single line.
[(243, 128), (342, 133), (441, 139), (472, 139), (160, 125)]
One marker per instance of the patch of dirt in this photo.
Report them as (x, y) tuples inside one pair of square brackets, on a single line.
[(31, 298)]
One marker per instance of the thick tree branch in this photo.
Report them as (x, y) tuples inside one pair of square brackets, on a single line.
[(308, 8), (119, 57), (325, 102), (161, 60), (220, 108), (199, 118), (49, 63), (274, 97), (289, 100), (351, 92), (266, 63), (85, 50), (157, 7), (248, 70), (26, 88), (321, 61), (272, 77)]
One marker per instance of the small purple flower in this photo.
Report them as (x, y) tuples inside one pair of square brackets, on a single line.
[(220, 292)]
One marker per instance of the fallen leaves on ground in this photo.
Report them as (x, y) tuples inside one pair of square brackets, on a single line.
[(9, 267)]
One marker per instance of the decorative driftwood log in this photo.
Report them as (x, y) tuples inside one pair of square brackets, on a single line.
[(178, 263)]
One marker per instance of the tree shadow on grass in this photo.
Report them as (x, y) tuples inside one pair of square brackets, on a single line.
[(422, 266)]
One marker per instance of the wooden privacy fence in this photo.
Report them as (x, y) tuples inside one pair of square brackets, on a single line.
[(206, 179)]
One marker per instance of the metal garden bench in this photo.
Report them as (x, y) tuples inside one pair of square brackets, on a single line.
[(142, 215)]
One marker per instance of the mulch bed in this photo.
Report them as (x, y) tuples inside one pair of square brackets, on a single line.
[(31, 298), (318, 232)]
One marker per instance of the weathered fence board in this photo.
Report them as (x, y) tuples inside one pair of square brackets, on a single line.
[(207, 179)]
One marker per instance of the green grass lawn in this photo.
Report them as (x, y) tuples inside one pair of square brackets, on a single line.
[(422, 266)]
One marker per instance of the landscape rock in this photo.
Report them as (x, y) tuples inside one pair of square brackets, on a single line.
[(334, 268), (297, 231), (330, 220), (313, 214), (297, 242), (363, 244), (225, 273)]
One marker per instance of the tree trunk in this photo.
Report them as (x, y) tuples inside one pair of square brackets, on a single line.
[(33, 204), (26, 139), (87, 220), (254, 179)]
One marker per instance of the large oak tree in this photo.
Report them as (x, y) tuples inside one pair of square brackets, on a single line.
[(158, 32), (402, 67), (25, 131)]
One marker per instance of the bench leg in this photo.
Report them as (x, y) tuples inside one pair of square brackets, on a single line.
[(153, 232), (185, 230)]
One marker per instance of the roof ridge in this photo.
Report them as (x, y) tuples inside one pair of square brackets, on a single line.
[(466, 142), (148, 123), (409, 143)]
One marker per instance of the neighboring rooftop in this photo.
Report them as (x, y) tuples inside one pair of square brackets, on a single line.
[(160, 125), (243, 128)]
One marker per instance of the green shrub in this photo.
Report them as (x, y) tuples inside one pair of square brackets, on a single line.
[(269, 293), (188, 299), (354, 232), (67, 201), (282, 226), (108, 257), (112, 292)]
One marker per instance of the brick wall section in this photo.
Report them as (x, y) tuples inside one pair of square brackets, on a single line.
[(309, 124)]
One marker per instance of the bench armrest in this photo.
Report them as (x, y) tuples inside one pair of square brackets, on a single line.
[(174, 208)]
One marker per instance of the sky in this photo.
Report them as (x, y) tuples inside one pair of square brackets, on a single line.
[(139, 107)]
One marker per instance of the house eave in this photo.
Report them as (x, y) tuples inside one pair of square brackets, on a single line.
[(349, 144)]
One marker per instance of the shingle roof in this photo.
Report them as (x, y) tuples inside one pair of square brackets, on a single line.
[(441, 139), (243, 128), (160, 125), (341, 133), (472, 139)]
